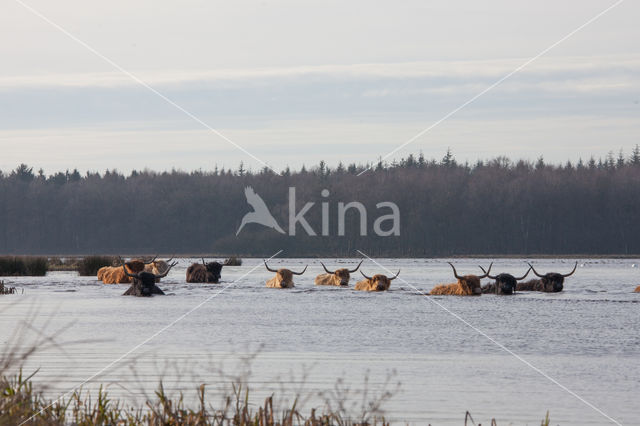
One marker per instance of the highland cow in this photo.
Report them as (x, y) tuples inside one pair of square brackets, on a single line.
[(551, 282), (116, 275), (204, 273), (637, 290), (504, 284), (467, 285), (157, 267), (378, 282), (144, 283), (339, 277), (283, 278)]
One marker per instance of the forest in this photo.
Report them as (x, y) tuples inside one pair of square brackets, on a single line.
[(492, 207)]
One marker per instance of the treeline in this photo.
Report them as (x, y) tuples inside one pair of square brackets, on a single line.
[(446, 208)]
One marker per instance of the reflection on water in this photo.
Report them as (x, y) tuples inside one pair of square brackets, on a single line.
[(585, 338)]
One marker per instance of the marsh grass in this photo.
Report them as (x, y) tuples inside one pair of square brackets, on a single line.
[(233, 261), (89, 265), (15, 266)]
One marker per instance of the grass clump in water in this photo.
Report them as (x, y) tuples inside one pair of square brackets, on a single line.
[(89, 265), (16, 266)]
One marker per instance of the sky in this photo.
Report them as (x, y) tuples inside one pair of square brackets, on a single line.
[(296, 82)]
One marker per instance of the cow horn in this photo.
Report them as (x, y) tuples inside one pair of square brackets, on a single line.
[(534, 270), (486, 273), (524, 276), (151, 261), (395, 276), (365, 275), (127, 272), (300, 273), (351, 271), (267, 266), (203, 262), (493, 277), (328, 271), (167, 271), (170, 259), (571, 273), (455, 273)]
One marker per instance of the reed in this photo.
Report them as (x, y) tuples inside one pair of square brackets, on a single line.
[(89, 265), (16, 266)]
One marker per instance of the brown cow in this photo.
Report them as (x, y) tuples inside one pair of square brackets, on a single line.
[(205, 272), (378, 282), (157, 267), (551, 282), (637, 290), (467, 285), (115, 274), (283, 278), (339, 277)]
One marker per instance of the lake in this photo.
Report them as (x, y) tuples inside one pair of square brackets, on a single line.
[(575, 353)]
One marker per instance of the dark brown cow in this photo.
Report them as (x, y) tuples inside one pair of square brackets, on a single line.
[(204, 273), (551, 282)]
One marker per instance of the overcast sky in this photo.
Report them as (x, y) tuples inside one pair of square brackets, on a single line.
[(296, 82)]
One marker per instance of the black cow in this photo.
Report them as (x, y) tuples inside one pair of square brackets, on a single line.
[(551, 282), (504, 284), (144, 283)]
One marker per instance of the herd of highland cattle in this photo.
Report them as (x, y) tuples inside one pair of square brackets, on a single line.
[(144, 277)]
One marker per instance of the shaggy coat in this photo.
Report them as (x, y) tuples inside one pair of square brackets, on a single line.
[(467, 285), (115, 274), (144, 286), (546, 286), (283, 278), (378, 282), (551, 282), (157, 267), (204, 272), (339, 277), (504, 283), (144, 283)]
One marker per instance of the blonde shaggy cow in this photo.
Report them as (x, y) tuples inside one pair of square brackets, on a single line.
[(467, 285), (116, 275), (283, 278), (378, 282), (339, 277)]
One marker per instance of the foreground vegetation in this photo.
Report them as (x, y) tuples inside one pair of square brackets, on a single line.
[(19, 401)]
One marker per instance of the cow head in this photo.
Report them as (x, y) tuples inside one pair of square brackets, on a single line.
[(284, 277), (505, 283), (379, 282), (342, 275), (146, 280), (553, 282), (214, 270), (471, 283)]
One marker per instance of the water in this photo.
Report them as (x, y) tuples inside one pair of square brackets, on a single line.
[(445, 351)]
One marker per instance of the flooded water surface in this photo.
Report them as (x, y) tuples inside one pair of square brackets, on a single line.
[(575, 354)]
